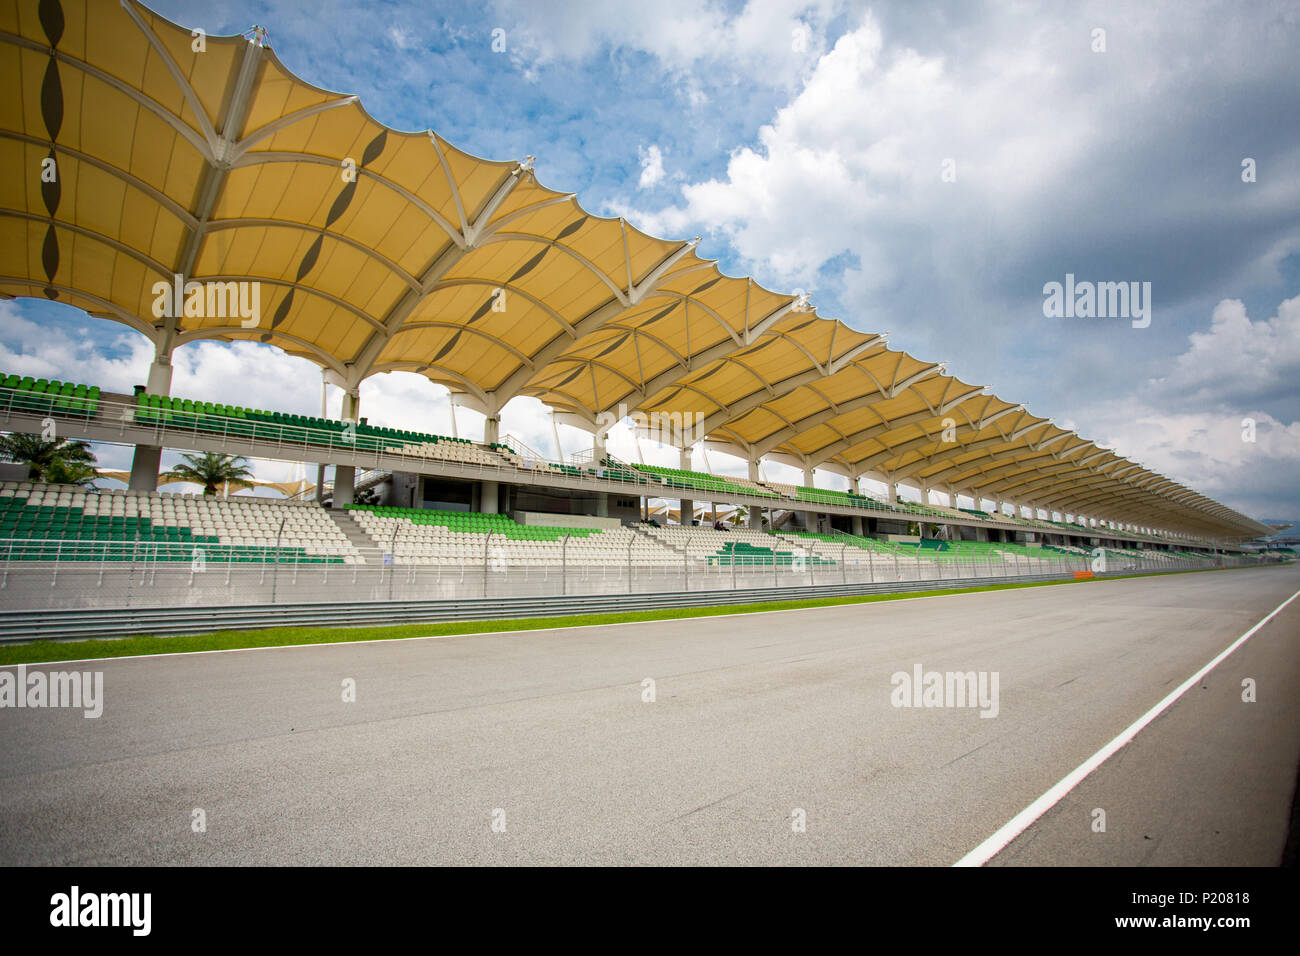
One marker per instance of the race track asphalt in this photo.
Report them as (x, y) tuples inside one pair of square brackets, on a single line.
[(754, 719)]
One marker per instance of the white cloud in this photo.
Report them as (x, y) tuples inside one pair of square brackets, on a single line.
[(758, 43), (861, 148), (402, 39), (652, 166), (1192, 424), (1206, 452), (29, 348), (1237, 358), (1044, 137), (404, 400)]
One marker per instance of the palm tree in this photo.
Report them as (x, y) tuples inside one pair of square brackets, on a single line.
[(211, 470), (62, 461), (61, 471)]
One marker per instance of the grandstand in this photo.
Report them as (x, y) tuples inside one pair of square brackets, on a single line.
[(452, 538), (600, 317), (40, 522), (717, 485)]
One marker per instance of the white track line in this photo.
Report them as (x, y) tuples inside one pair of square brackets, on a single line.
[(1026, 817)]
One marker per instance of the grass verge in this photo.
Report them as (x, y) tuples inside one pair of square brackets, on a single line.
[(144, 645)]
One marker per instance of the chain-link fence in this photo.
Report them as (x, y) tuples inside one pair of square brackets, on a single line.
[(37, 574)]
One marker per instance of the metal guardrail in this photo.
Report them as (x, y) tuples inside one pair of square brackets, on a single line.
[(124, 622), (81, 623)]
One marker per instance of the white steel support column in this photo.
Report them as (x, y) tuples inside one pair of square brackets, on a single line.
[(160, 376), (345, 476), (147, 459), (320, 469), (145, 464), (598, 453), (489, 491), (810, 481), (686, 505)]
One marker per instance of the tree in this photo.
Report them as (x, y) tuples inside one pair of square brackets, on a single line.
[(62, 461), (64, 472), (211, 470)]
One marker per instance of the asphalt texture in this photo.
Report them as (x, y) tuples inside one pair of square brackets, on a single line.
[(771, 739)]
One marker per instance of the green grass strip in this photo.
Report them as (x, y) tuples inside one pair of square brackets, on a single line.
[(289, 636)]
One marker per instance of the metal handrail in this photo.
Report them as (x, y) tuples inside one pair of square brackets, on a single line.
[(294, 439)]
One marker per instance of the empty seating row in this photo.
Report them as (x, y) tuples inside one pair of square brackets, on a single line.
[(452, 538), (65, 522), (41, 396), (281, 426), (471, 522), (741, 547), (931, 549), (615, 469), (744, 554), (456, 451), (849, 498), (701, 481), (852, 548)]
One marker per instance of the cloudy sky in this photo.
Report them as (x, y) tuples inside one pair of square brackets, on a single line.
[(923, 169)]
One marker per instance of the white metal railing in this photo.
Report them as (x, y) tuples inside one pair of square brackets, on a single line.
[(185, 429), (271, 439), (37, 573), (582, 458), (522, 450)]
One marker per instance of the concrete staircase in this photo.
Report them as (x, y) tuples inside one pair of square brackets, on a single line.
[(356, 534), (780, 519), (640, 530)]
